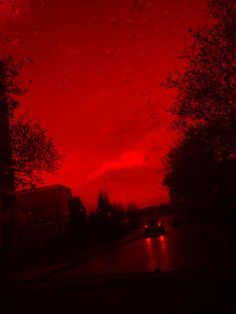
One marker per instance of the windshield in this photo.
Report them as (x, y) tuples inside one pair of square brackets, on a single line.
[(117, 137)]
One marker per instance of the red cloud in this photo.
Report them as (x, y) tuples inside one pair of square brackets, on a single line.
[(128, 159)]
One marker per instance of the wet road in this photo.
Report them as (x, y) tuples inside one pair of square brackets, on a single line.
[(189, 247)]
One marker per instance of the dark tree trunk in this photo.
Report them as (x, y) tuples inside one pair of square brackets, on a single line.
[(6, 176)]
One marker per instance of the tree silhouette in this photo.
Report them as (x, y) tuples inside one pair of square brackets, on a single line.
[(103, 215), (77, 219), (192, 167), (118, 217), (9, 89), (206, 87), (103, 204), (133, 214), (205, 112), (26, 151), (34, 152)]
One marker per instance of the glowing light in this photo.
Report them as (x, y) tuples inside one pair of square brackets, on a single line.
[(162, 238)]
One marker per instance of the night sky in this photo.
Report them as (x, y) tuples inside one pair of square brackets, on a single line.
[(96, 74)]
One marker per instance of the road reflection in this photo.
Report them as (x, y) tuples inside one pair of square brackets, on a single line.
[(149, 245), (163, 245), (157, 252), (189, 247)]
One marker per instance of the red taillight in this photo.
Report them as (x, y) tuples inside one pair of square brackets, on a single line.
[(145, 226), (159, 224)]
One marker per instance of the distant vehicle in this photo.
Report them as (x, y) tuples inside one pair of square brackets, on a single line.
[(153, 227), (177, 221)]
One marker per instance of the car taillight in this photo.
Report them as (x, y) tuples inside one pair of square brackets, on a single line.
[(145, 226)]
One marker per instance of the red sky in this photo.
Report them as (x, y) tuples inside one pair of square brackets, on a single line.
[(96, 74)]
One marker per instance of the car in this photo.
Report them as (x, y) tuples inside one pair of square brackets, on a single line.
[(153, 227)]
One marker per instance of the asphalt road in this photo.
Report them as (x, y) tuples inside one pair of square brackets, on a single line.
[(193, 246), (121, 279)]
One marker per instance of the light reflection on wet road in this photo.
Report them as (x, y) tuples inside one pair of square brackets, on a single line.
[(190, 247)]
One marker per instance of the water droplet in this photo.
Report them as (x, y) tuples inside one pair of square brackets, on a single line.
[(130, 38), (157, 31), (94, 18), (129, 71), (139, 4), (126, 80), (109, 53), (129, 21), (144, 22), (113, 20), (35, 31), (140, 36)]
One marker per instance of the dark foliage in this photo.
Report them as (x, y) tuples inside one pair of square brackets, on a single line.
[(33, 151), (201, 166)]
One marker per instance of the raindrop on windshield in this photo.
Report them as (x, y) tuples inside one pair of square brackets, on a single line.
[(113, 20), (109, 53)]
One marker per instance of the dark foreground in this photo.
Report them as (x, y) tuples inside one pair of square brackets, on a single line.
[(211, 292), (191, 269)]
